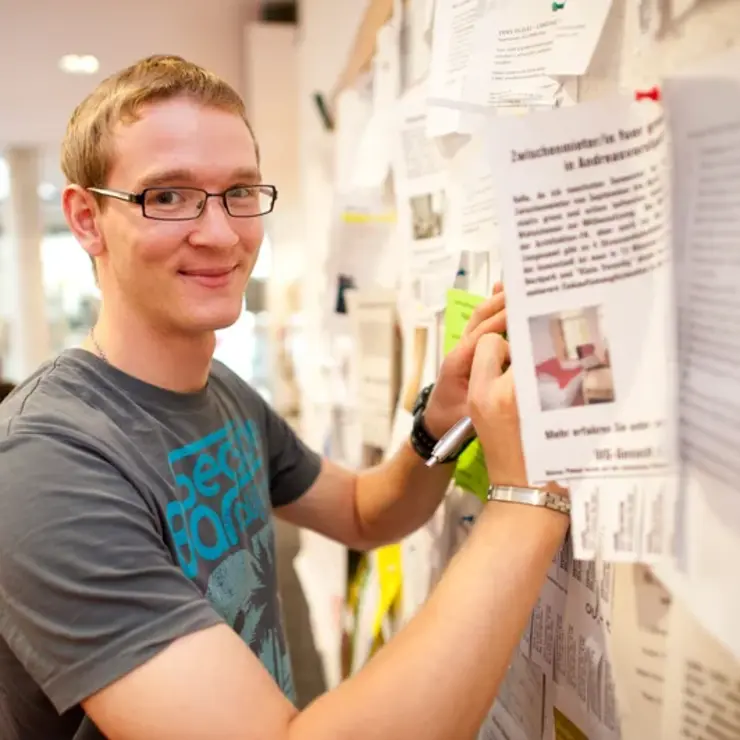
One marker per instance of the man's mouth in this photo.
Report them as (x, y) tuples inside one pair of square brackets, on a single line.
[(209, 277)]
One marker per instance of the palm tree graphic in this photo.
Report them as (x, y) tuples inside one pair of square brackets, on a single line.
[(243, 590)]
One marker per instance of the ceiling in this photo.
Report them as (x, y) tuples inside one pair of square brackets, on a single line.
[(37, 98)]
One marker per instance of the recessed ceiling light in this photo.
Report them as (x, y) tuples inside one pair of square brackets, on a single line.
[(79, 64)]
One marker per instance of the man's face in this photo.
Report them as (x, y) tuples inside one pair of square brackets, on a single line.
[(182, 276)]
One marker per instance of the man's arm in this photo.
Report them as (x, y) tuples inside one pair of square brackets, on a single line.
[(436, 679), (374, 507)]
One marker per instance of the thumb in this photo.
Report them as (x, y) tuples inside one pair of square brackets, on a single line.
[(491, 353)]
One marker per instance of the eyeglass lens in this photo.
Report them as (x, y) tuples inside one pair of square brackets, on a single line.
[(183, 203)]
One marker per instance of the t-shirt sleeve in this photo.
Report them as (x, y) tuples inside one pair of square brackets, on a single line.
[(293, 465), (88, 588)]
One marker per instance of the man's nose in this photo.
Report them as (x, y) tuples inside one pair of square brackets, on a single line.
[(214, 225)]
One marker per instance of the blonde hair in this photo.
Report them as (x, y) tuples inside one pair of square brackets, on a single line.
[(87, 149)]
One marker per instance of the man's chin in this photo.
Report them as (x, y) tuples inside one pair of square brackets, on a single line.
[(224, 322), (215, 321)]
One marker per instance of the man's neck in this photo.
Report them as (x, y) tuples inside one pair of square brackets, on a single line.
[(177, 363)]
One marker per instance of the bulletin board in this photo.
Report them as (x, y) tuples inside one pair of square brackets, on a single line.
[(646, 630)]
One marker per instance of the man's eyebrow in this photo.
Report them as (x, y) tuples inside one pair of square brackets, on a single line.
[(179, 176)]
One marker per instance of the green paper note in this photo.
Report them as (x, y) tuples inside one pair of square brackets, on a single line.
[(470, 470), (460, 305)]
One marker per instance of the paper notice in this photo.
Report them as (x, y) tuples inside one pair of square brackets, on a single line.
[(432, 280), (520, 708), (371, 160), (704, 111), (415, 41), (419, 175), (638, 516), (584, 687), (387, 66), (361, 242), (454, 26), (376, 362), (707, 142), (637, 646), (471, 213), (517, 49), (583, 211), (512, 45), (575, 35), (701, 694), (424, 556), (585, 498), (546, 623), (321, 567)]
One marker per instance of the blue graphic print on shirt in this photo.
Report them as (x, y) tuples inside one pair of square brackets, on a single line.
[(217, 475), (221, 527)]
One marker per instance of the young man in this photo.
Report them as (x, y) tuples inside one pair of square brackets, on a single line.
[(139, 478)]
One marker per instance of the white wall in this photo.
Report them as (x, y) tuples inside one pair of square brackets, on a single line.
[(328, 28), (271, 82), (36, 99), (272, 98)]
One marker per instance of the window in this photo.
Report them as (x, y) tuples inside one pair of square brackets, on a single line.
[(575, 333)]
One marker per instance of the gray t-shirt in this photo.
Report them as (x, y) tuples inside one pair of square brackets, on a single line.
[(131, 516)]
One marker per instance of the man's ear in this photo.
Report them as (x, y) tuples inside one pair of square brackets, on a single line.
[(81, 212)]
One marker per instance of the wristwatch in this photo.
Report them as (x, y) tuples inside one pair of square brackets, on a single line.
[(421, 440), (530, 496)]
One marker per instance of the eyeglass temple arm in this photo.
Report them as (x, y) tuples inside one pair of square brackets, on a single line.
[(129, 197)]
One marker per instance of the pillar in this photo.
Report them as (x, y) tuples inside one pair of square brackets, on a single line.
[(23, 300)]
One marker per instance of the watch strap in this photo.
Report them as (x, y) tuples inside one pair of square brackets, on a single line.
[(529, 496), (421, 440)]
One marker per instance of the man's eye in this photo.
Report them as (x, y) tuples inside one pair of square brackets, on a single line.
[(242, 193), (168, 197)]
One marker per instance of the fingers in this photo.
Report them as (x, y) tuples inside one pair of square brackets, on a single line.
[(485, 310), (491, 352), (498, 287), (495, 324)]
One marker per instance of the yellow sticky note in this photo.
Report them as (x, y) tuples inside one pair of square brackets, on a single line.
[(470, 471), (389, 573), (567, 730)]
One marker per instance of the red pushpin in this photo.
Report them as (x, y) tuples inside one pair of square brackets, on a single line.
[(652, 94)]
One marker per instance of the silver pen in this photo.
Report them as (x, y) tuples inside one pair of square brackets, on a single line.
[(451, 442)]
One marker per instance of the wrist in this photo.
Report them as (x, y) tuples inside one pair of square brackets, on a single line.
[(436, 421), (531, 497)]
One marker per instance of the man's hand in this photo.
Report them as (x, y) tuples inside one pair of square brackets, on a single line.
[(449, 400), (493, 409)]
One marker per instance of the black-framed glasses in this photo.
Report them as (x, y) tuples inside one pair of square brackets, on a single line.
[(186, 204)]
